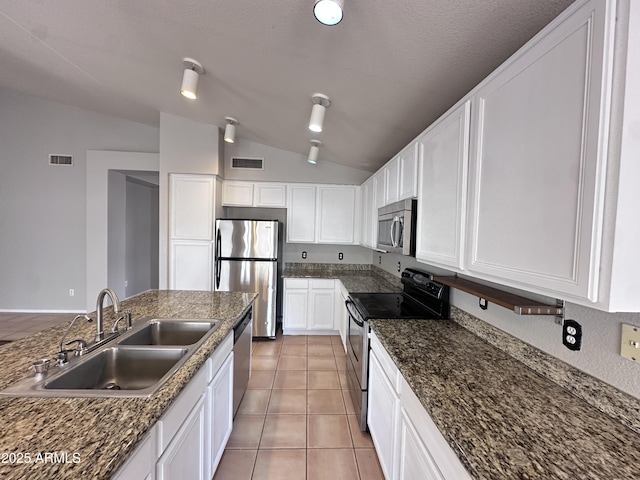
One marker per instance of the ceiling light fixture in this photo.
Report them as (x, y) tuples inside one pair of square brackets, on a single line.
[(192, 72), (230, 130), (313, 151), (328, 12), (320, 104)]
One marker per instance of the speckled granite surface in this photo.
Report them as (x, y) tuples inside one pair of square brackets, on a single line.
[(355, 278), (100, 432), (510, 421)]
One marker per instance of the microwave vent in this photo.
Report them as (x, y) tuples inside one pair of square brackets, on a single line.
[(66, 160), (247, 163)]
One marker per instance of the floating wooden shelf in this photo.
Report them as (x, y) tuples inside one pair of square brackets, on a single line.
[(516, 303)]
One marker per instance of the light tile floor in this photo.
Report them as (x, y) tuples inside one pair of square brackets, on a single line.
[(296, 420), (14, 326)]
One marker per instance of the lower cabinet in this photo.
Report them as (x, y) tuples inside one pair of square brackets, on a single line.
[(408, 443), (189, 439), (342, 315), (309, 306)]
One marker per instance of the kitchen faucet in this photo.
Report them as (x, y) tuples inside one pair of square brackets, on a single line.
[(99, 320)]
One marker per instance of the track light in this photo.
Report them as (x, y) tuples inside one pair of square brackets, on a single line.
[(328, 12), (313, 151), (192, 72), (230, 130), (320, 104)]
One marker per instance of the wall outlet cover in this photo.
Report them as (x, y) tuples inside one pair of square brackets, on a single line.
[(572, 335), (630, 342)]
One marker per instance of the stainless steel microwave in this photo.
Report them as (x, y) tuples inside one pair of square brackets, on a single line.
[(397, 227)]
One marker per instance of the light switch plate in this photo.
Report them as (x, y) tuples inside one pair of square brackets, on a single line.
[(630, 344)]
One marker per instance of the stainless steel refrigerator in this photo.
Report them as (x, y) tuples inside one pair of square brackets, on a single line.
[(246, 260)]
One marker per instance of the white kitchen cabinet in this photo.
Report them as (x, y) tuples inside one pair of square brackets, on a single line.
[(415, 463), (141, 464), (408, 174), (337, 214), (382, 416), (185, 455), (237, 194), (253, 194), (322, 214), (341, 313), (379, 195), (442, 190), (219, 405), (367, 219), (301, 214), (193, 207), (309, 307), (535, 172), (392, 181)]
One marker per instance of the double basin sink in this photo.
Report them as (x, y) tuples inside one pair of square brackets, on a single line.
[(135, 364)]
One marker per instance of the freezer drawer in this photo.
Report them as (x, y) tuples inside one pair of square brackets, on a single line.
[(252, 276)]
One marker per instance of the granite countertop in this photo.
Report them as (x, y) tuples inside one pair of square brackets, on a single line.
[(510, 421), (95, 435), (355, 278)]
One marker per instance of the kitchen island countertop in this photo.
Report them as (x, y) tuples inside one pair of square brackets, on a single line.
[(60, 438)]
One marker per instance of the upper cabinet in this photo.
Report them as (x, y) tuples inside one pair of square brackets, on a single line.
[(408, 179), (322, 214), (368, 213), (442, 189), (536, 161), (253, 194), (391, 181)]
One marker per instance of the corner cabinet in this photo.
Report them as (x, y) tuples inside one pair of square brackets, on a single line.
[(309, 306), (322, 214), (442, 189), (536, 160)]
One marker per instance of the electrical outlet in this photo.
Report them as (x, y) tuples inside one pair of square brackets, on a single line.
[(482, 302), (379, 259), (340, 256), (126, 283), (399, 266), (72, 292), (304, 255), (630, 342), (572, 334)]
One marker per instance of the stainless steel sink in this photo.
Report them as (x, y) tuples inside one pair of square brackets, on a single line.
[(135, 363), (170, 332), (118, 368)]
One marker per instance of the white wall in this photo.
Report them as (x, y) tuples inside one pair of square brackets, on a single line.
[(326, 253), (285, 166), (600, 353), (43, 208)]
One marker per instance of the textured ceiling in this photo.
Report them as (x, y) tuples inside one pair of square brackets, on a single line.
[(390, 67)]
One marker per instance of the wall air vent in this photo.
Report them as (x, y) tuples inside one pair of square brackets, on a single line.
[(66, 160), (247, 163)]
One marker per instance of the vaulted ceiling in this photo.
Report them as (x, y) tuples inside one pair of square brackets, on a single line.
[(390, 67)]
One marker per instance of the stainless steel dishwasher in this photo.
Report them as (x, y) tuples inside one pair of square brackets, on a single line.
[(241, 358)]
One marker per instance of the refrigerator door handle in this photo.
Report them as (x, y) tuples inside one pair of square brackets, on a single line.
[(217, 258)]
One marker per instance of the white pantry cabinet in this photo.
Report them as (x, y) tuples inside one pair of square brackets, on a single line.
[(194, 204), (253, 194), (442, 189), (322, 214), (309, 306)]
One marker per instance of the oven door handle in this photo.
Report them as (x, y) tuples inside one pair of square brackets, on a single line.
[(353, 315)]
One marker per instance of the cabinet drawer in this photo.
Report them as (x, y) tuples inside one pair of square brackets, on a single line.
[(218, 357), (330, 284), (296, 283)]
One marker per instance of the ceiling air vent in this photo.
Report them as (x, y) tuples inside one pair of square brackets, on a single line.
[(61, 160), (247, 163)]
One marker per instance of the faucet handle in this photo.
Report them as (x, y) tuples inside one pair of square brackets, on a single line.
[(80, 348)]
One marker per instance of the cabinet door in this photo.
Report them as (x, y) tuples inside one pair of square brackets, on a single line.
[(301, 214), (415, 463), (379, 197), (269, 195), (191, 207), (382, 416), (295, 308), (442, 197), (239, 194), (366, 216), (322, 303), (190, 265), (535, 161), (141, 464), (220, 397), (184, 457), (391, 181), (408, 183), (337, 214)]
